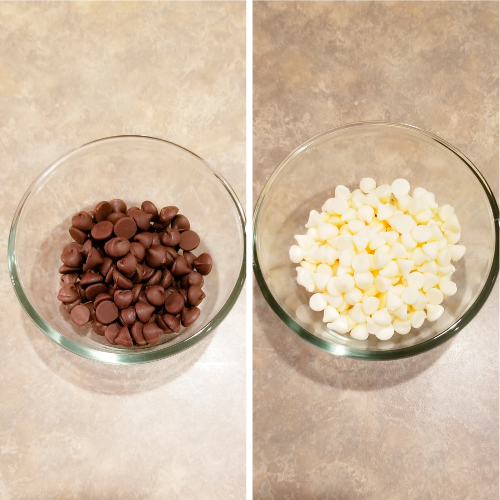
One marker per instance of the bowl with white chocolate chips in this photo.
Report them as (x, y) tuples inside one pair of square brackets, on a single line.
[(128, 249), (376, 241)]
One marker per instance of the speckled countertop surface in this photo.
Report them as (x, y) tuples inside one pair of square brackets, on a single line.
[(333, 428), (74, 72)]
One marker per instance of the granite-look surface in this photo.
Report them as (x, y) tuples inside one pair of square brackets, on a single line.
[(332, 428), (71, 73)]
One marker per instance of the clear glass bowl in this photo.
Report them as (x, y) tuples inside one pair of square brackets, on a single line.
[(383, 151), (134, 169)]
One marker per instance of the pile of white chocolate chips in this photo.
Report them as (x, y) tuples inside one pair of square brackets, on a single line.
[(378, 260)]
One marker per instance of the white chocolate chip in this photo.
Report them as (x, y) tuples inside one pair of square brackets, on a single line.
[(434, 312), (317, 302), (410, 295), (354, 296), (417, 318), (370, 305), (340, 325), (385, 333), (357, 313), (382, 317), (330, 314), (421, 233), (342, 192), (382, 283), (359, 332), (457, 252), (416, 280), (365, 213), (367, 185), (297, 253), (363, 280), (448, 288), (401, 327), (400, 187), (345, 283)]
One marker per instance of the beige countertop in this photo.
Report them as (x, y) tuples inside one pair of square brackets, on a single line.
[(71, 73), (326, 427)]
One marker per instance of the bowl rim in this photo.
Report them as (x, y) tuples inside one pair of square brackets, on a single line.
[(339, 350), (121, 358)]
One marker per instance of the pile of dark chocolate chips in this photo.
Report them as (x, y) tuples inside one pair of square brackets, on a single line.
[(126, 274)]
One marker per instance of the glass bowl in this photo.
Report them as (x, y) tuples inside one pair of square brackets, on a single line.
[(384, 151), (132, 168)]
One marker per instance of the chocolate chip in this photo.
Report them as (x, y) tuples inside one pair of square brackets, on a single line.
[(170, 237), (98, 327), (137, 276), (181, 223), (159, 321), (149, 208), (69, 278), (106, 312), (82, 221), (80, 315), (117, 247), (180, 267), (159, 226), (189, 240), (168, 213), (167, 280), (128, 316), (203, 264), (138, 251), (101, 298), (109, 276), (127, 265), (107, 264), (68, 293), (92, 291), (131, 210), (121, 281), (64, 269), (123, 298), (145, 239), (91, 309), (172, 255), (69, 306), (137, 333), (190, 258), (142, 298), (91, 277), (156, 256), (174, 303), (154, 294), (85, 248), (155, 279), (118, 206), (77, 235), (123, 338), (81, 292), (189, 315), (136, 290), (71, 255), (111, 332), (144, 311), (193, 278), (142, 219), (147, 272), (102, 210), (114, 217), (125, 227), (151, 333), (173, 321), (94, 259), (156, 239), (102, 230), (195, 295)]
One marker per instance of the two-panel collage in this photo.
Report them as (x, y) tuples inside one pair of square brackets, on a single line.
[(250, 250)]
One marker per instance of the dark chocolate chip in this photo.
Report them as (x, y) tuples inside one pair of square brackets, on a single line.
[(149, 208), (77, 235), (118, 206), (145, 239), (80, 315), (127, 265), (168, 213), (123, 298), (82, 221), (170, 237), (102, 210), (144, 311), (195, 295), (137, 333), (106, 312), (180, 267), (102, 230), (128, 316), (125, 227), (181, 223), (117, 247), (189, 316), (189, 240), (154, 294), (174, 303), (173, 321), (91, 277), (151, 333), (138, 251), (68, 293), (203, 264), (111, 332), (98, 327), (92, 291)]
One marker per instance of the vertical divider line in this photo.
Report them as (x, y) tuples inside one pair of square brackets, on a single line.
[(249, 280)]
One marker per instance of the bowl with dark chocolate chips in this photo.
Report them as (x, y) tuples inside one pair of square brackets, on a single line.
[(128, 249)]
